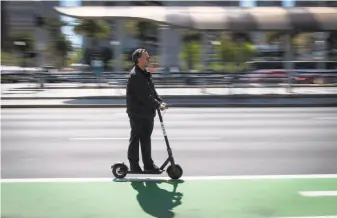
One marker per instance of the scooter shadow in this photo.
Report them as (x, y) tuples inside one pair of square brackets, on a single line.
[(156, 201)]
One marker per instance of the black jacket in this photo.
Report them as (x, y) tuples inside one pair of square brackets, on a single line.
[(141, 97)]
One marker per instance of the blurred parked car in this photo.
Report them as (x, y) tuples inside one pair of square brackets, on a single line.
[(274, 76), (317, 76)]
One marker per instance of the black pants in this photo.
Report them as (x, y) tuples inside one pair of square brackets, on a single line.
[(141, 131)]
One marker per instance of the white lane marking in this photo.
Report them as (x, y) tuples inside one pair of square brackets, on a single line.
[(162, 138), (325, 118), (333, 216), (318, 193), (185, 178)]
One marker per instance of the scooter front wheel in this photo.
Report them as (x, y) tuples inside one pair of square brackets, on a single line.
[(174, 172), (119, 170)]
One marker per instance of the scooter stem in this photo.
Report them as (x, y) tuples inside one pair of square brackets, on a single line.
[(164, 133)]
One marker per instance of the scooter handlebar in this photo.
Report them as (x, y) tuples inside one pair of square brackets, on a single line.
[(166, 107)]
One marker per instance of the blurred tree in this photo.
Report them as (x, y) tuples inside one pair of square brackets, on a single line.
[(54, 25), (226, 49), (191, 35), (246, 52), (298, 38), (131, 27), (235, 52), (23, 43), (190, 53), (63, 46), (10, 59), (106, 54), (241, 37), (94, 29), (75, 57), (87, 55), (58, 46), (27, 39), (143, 30), (274, 37), (50, 53), (304, 39), (301, 41)]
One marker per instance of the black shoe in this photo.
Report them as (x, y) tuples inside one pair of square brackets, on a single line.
[(152, 169), (135, 169)]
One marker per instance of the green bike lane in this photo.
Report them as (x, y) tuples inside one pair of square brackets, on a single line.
[(234, 198)]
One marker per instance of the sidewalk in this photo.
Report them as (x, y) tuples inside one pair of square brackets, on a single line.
[(28, 96), (29, 91), (113, 85)]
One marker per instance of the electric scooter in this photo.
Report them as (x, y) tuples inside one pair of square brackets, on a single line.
[(174, 171)]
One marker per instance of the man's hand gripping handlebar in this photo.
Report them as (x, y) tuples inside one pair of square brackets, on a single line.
[(163, 106)]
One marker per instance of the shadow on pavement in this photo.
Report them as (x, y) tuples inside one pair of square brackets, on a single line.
[(101, 100), (28, 89), (156, 201), (216, 100), (16, 93)]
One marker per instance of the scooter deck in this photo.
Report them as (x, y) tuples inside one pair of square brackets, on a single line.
[(145, 172)]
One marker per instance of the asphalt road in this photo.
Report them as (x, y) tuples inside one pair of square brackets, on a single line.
[(41, 143)]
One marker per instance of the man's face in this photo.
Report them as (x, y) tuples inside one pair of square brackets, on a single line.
[(144, 60)]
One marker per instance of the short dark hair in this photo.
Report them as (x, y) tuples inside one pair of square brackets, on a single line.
[(137, 54)]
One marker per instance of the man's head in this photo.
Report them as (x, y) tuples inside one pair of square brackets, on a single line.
[(141, 57)]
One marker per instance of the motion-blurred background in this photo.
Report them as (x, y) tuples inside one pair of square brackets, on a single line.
[(40, 45)]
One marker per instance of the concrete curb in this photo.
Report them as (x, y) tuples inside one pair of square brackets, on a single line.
[(234, 96), (188, 86), (197, 105)]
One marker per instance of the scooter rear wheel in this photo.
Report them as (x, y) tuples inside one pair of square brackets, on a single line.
[(119, 170), (174, 172)]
